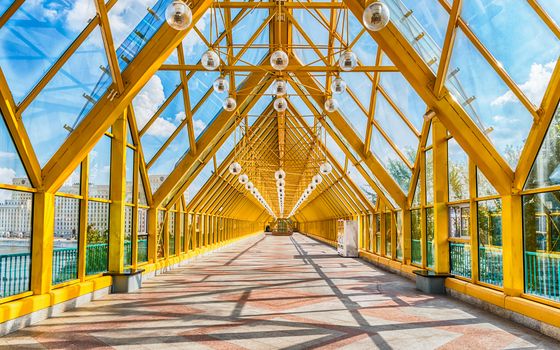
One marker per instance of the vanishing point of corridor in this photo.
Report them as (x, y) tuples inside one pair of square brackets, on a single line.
[(269, 292)]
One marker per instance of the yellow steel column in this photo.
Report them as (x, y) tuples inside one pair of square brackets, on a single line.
[(118, 192), (441, 245), (512, 244), (43, 236)]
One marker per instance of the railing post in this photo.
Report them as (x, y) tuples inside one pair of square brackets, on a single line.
[(118, 193), (43, 236), (441, 216), (512, 244)]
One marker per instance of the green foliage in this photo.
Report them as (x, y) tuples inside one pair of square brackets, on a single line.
[(95, 236)]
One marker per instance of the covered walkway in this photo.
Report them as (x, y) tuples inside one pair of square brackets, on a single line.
[(268, 292)]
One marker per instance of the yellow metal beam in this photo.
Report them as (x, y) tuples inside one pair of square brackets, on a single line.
[(449, 111), (109, 44), (105, 112), (214, 135), (19, 134)]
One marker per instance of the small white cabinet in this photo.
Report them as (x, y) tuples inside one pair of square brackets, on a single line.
[(348, 238)]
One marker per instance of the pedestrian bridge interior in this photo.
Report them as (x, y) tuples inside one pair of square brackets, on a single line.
[(163, 140)]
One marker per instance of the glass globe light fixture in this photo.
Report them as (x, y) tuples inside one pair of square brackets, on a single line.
[(243, 179), (325, 168), (279, 60), (178, 15), (338, 86), (249, 186), (221, 85), (317, 179), (280, 174), (348, 61), (376, 16), (280, 104), (281, 183), (210, 60), (307, 192), (254, 191), (312, 186), (280, 87), (331, 105), (229, 104), (235, 168)]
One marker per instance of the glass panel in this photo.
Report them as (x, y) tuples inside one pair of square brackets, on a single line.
[(169, 158), (160, 233), (360, 84), (241, 34), (546, 169), (100, 169), (416, 199), (397, 130), (182, 219), (72, 185), (67, 98), (142, 235), (490, 242), (128, 235), (123, 16), (488, 101), (362, 184), (198, 182), (483, 186), (97, 248), (12, 171), (400, 172), (35, 37), (427, 37), (552, 8), (541, 233), (206, 114), (15, 241), (399, 236), (528, 52), (65, 245), (457, 171), (416, 234), (430, 258), (378, 233), (141, 191), (459, 243), (163, 127), (429, 164), (129, 174), (156, 91), (404, 97), (4, 5), (226, 148), (388, 230), (171, 228), (353, 114)]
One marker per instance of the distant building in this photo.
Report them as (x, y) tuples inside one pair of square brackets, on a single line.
[(16, 212)]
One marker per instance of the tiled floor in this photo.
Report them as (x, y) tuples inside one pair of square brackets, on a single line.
[(277, 292)]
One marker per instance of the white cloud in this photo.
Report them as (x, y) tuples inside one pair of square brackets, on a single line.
[(148, 100), (533, 88), (7, 175), (78, 16), (199, 126), (7, 155), (146, 105), (124, 17)]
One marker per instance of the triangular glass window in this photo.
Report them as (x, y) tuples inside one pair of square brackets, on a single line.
[(12, 171)]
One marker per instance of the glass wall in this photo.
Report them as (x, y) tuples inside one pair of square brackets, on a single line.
[(416, 234), (66, 234), (459, 240), (399, 235), (430, 259), (490, 241), (541, 237), (378, 233), (15, 241), (171, 229), (388, 232), (97, 235)]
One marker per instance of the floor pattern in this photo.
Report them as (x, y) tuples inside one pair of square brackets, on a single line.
[(277, 293)]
